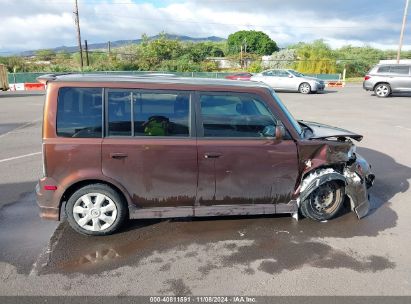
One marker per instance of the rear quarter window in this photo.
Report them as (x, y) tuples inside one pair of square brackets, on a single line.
[(79, 112)]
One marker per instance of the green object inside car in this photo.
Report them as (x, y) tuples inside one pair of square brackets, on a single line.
[(156, 126)]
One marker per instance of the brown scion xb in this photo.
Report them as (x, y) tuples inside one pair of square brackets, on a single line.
[(120, 147)]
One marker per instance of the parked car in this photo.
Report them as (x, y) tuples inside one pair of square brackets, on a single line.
[(385, 79), (239, 76), (142, 147), (290, 80)]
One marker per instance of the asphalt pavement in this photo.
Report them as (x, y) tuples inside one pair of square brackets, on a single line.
[(258, 255)]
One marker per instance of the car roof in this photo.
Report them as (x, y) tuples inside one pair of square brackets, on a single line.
[(147, 79), (390, 64)]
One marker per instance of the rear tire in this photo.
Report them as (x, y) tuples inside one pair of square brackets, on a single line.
[(382, 90), (304, 88), (324, 203), (96, 209)]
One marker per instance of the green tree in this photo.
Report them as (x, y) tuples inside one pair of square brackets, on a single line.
[(253, 41), (359, 60), (63, 55), (45, 54), (281, 60), (316, 57)]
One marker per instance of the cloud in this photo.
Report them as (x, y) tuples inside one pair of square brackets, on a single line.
[(49, 23)]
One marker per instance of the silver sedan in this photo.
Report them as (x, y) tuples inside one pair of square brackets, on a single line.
[(289, 80)]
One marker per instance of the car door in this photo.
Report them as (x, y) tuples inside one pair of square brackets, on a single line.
[(288, 81), (271, 78), (238, 164), (150, 146), (400, 78)]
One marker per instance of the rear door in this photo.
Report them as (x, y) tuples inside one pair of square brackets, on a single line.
[(237, 163), (150, 146), (400, 78)]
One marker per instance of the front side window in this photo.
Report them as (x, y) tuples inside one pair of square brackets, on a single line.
[(145, 113), (79, 112), (281, 73), (239, 115)]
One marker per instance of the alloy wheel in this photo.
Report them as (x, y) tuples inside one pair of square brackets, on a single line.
[(382, 90), (305, 88)]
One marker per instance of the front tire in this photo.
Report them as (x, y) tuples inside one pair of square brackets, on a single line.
[(96, 209), (304, 88), (382, 90), (324, 203)]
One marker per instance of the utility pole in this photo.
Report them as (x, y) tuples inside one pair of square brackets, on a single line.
[(86, 47), (404, 19), (77, 22), (245, 52), (241, 56), (109, 48)]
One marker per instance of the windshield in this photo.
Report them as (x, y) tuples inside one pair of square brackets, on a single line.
[(295, 73), (290, 117)]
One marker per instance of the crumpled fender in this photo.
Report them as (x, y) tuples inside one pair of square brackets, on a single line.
[(356, 184), (359, 178), (318, 178)]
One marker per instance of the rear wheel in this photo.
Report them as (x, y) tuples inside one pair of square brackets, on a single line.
[(382, 90), (304, 88), (324, 202), (96, 209)]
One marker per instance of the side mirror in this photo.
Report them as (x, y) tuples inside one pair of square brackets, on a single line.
[(279, 132)]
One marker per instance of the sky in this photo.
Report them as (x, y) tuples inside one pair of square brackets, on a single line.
[(41, 24)]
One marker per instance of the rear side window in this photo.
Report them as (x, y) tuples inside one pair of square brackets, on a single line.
[(79, 112), (119, 113), (161, 114), (146, 113), (240, 115), (395, 69), (384, 69), (400, 69)]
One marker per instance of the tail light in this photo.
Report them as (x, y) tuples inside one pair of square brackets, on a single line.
[(367, 77)]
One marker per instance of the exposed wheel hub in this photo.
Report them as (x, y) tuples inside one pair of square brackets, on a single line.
[(323, 198)]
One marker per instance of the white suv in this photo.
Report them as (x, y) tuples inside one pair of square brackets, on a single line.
[(385, 79)]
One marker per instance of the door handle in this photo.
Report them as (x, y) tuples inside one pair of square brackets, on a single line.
[(212, 155), (118, 155)]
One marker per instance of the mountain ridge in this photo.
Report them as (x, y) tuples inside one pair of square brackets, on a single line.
[(119, 43)]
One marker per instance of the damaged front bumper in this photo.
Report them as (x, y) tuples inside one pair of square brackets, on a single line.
[(359, 178)]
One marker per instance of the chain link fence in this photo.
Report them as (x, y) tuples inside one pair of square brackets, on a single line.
[(31, 76)]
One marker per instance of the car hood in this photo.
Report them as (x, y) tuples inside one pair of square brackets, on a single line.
[(321, 131), (313, 78)]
